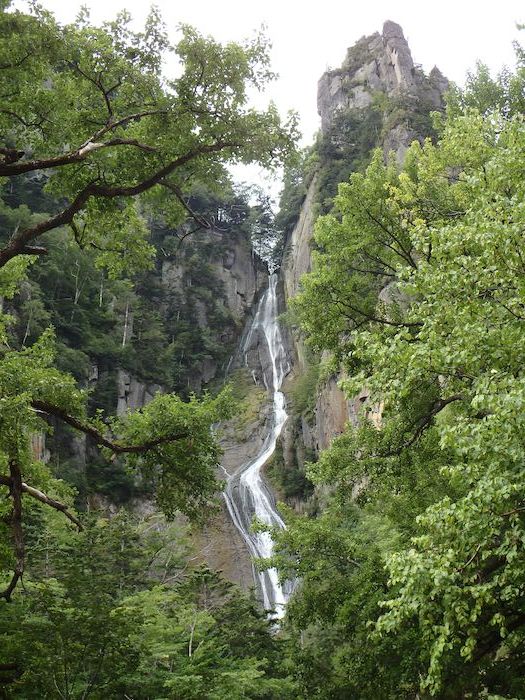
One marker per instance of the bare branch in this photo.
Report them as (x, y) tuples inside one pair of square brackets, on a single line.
[(124, 121), (8, 169), (470, 559), (14, 166), (9, 672), (512, 512), (204, 223), (402, 252), (130, 142), (43, 498), (34, 250), (23, 121), (11, 155)]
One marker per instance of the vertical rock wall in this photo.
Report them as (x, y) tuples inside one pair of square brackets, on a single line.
[(241, 275), (378, 69)]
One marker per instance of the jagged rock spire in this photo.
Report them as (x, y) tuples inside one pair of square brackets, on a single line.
[(376, 63)]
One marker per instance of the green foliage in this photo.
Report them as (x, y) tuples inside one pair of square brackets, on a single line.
[(180, 451), (486, 94), (303, 390), (296, 179), (96, 621), (417, 289), (205, 640), (288, 476), (346, 147), (181, 466), (94, 140), (339, 558), (150, 130), (248, 399)]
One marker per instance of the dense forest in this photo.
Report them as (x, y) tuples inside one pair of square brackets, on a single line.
[(119, 231)]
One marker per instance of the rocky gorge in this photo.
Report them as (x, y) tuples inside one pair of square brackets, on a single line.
[(378, 83)]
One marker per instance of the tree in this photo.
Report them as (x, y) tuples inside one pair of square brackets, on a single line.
[(116, 611), (418, 289), (96, 113), (87, 111)]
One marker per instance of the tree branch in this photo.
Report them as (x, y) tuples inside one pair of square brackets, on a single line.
[(34, 250), (112, 125), (14, 166), (11, 155), (9, 168), (470, 559), (403, 252), (101, 440), (423, 424), (201, 221), (22, 238), (369, 317), (43, 498), (16, 64), (10, 672)]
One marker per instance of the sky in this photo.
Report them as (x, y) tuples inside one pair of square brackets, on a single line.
[(308, 38)]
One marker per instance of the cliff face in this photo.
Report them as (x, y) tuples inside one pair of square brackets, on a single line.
[(378, 98), (217, 311), (174, 330), (298, 259), (380, 64), (207, 287), (234, 264), (377, 77)]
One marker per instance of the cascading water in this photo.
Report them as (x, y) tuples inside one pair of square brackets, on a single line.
[(246, 494)]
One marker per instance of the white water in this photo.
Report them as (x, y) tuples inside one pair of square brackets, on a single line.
[(246, 494)]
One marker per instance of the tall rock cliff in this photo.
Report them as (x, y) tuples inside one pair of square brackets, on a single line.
[(378, 98), (208, 287), (181, 323), (172, 328)]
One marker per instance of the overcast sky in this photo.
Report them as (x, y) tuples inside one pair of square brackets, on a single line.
[(308, 38)]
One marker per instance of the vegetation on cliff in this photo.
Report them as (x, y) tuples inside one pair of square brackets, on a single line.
[(96, 144), (413, 577)]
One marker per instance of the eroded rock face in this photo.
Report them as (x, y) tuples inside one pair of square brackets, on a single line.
[(240, 271), (133, 394), (39, 451), (298, 257), (243, 276), (377, 63), (379, 72), (331, 413), (240, 275), (219, 543)]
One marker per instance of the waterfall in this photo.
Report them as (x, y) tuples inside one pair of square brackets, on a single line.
[(246, 494)]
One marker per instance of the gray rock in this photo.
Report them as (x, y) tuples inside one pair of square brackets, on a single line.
[(172, 275), (133, 394), (228, 259), (377, 63)]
